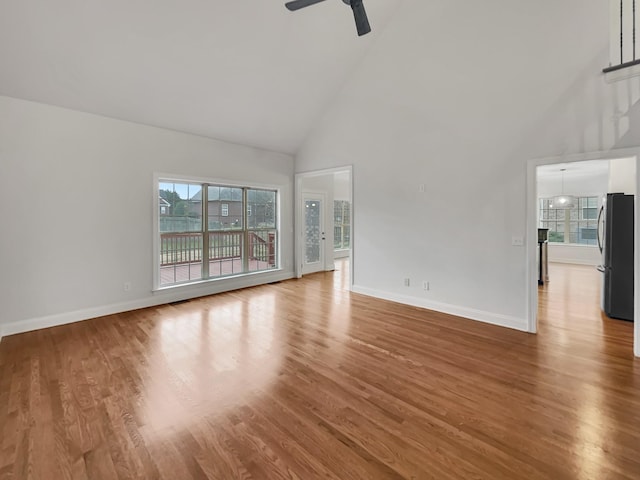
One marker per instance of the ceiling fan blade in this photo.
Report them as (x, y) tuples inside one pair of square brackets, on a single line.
[(360, 16), (298, 4)]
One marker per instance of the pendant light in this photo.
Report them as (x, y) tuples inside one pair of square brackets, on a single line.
[(562, 200)]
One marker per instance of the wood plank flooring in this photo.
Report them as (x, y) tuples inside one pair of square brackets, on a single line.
[(304, 380)]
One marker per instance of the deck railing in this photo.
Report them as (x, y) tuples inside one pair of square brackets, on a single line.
[(225, 245), (178, 248), (182, 248)]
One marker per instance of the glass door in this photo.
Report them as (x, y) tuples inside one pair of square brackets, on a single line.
[(314, 233)]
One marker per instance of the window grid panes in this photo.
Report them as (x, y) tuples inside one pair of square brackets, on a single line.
[(261, 228), (576, 225), (341, 224), (228, 244)]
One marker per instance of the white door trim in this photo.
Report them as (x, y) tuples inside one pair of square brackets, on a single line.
[(299, 217), (532, 232)]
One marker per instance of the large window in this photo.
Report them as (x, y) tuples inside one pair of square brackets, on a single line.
[(341, 225), (571, 225), (239, 235)]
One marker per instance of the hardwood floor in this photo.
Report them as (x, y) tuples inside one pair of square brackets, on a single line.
[(303, 380)]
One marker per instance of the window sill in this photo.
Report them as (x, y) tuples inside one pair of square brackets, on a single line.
[(237, 279)]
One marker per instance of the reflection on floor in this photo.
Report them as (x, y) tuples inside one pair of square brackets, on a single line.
[(305, 379), (569, 305)]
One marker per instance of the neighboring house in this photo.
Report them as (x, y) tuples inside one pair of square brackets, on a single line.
[(165, 207), (225, 207)]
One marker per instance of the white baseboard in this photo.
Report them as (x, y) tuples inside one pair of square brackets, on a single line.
[(156, 298), (573, 261), (465, 312)]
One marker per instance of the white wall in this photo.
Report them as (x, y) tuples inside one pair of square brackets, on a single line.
[(622, 176), (462, 111), (77, 205), (575, 254), (342, 186)]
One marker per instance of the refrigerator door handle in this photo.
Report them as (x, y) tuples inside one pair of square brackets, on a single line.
[(600, 222)]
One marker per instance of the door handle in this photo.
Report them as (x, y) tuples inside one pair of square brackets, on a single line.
[(598, 223)]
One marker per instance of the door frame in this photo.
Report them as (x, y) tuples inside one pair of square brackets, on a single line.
[(532, 232), (299, 217)]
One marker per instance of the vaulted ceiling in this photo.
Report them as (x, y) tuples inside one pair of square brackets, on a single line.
[(253, 73), (248, 72)]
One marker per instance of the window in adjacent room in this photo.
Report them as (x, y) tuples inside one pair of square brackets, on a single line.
[(576, 225), (341, 225), (230, 241)]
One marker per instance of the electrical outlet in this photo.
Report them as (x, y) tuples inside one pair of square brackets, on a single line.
[(517, 241), (407, 282), (425, 285), (126, 286)]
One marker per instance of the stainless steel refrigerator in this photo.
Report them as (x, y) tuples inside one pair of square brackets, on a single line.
[(615, 239)]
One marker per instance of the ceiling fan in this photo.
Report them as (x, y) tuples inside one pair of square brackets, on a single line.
[(359, 14)]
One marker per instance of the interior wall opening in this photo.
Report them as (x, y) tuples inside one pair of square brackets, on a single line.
[(585, 259), (324, 220)]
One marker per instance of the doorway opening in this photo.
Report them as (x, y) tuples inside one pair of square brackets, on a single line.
[(574, 232), (324, 220)]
